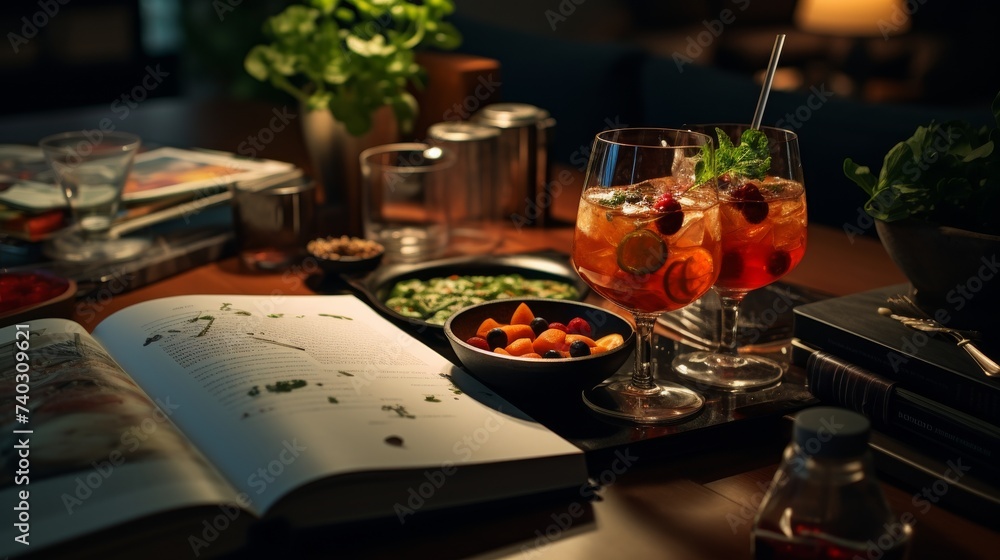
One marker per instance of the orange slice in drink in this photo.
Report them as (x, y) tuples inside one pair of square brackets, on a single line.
[(688, 278), (641, 252)]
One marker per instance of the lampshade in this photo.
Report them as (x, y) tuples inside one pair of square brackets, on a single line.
[(853, 18)]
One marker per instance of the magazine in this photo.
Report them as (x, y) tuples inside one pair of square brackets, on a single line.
[(157, 173), (313, 409)]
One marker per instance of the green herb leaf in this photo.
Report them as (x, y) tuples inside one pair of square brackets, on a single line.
[(861, 175), (751, 158)]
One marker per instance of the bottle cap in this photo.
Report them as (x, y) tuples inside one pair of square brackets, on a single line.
[(831, 432)]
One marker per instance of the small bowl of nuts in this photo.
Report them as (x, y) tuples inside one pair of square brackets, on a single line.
[(346, 255)]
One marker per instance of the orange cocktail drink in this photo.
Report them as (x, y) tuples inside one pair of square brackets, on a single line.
[(650, 247)]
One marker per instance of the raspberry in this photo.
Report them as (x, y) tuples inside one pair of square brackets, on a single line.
[(578, 325), (671, 218), (559, 326), (478, 342), (750, 203)]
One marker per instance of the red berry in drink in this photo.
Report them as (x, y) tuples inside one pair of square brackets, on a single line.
[(671, 217), (750, 202), (578, 325), (778, 263)]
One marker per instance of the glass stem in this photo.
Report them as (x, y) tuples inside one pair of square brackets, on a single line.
[(728, 323), (642, 373)]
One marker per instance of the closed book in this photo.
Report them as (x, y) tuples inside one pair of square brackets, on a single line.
[(900, 412), (934, 367)]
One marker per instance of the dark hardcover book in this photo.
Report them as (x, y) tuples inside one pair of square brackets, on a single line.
[(899, 412), (927, 365)]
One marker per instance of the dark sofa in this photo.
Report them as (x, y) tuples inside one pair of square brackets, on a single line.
[(588, 87)]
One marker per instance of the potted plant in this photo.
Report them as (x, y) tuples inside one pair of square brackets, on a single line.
[(935, 203), (350, 64)]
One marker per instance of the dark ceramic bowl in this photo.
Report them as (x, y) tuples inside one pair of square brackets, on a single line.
[(950, 269), (515, 373)]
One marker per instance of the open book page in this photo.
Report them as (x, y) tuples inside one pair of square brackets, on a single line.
[(279, 391), (85, 448)]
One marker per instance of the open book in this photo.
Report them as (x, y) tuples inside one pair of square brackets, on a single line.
[(188, 418)]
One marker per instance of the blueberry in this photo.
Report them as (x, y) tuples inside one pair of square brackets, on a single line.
[(579, 348), (552, 354), (539, 325), (496, 338)]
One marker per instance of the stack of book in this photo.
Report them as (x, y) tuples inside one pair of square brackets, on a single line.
[(921, 389), (177, 197)]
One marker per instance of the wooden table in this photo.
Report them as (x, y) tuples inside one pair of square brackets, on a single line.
[(698, 507), (692, 507)]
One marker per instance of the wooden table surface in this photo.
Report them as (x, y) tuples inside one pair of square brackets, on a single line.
[(692, 507)]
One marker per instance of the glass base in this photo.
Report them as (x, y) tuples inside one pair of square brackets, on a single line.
[(74, 248), (667, 402), (727, 371)]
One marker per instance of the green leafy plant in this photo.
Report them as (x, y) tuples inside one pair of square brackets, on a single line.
[(352, 56), (945, 174)]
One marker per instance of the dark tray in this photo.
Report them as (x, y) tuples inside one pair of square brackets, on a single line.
[(376, 286), (727, 418)]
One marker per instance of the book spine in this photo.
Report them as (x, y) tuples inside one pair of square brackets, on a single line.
[(912, 373), (900, 412)]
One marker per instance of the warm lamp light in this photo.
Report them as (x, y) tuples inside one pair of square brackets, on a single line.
[(853, 18)]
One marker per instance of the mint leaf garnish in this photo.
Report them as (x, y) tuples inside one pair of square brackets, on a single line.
[(750, 159)]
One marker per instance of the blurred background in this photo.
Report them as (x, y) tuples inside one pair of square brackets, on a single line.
[(932, 52), (856, 76)]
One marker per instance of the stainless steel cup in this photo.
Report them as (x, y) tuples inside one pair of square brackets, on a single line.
[(473, 184), (273, 224), (526, 133)]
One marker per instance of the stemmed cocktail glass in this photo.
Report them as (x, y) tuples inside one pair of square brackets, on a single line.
[(647, 239), (763, 237)]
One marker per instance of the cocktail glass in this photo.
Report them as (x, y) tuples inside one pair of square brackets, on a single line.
[(647, 239), (763, 237), (91, 168)]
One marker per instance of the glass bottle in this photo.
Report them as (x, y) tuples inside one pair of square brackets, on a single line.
[(825, 501)]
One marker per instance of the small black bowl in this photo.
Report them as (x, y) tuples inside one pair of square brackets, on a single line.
[(346, 263), (514, 373)]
